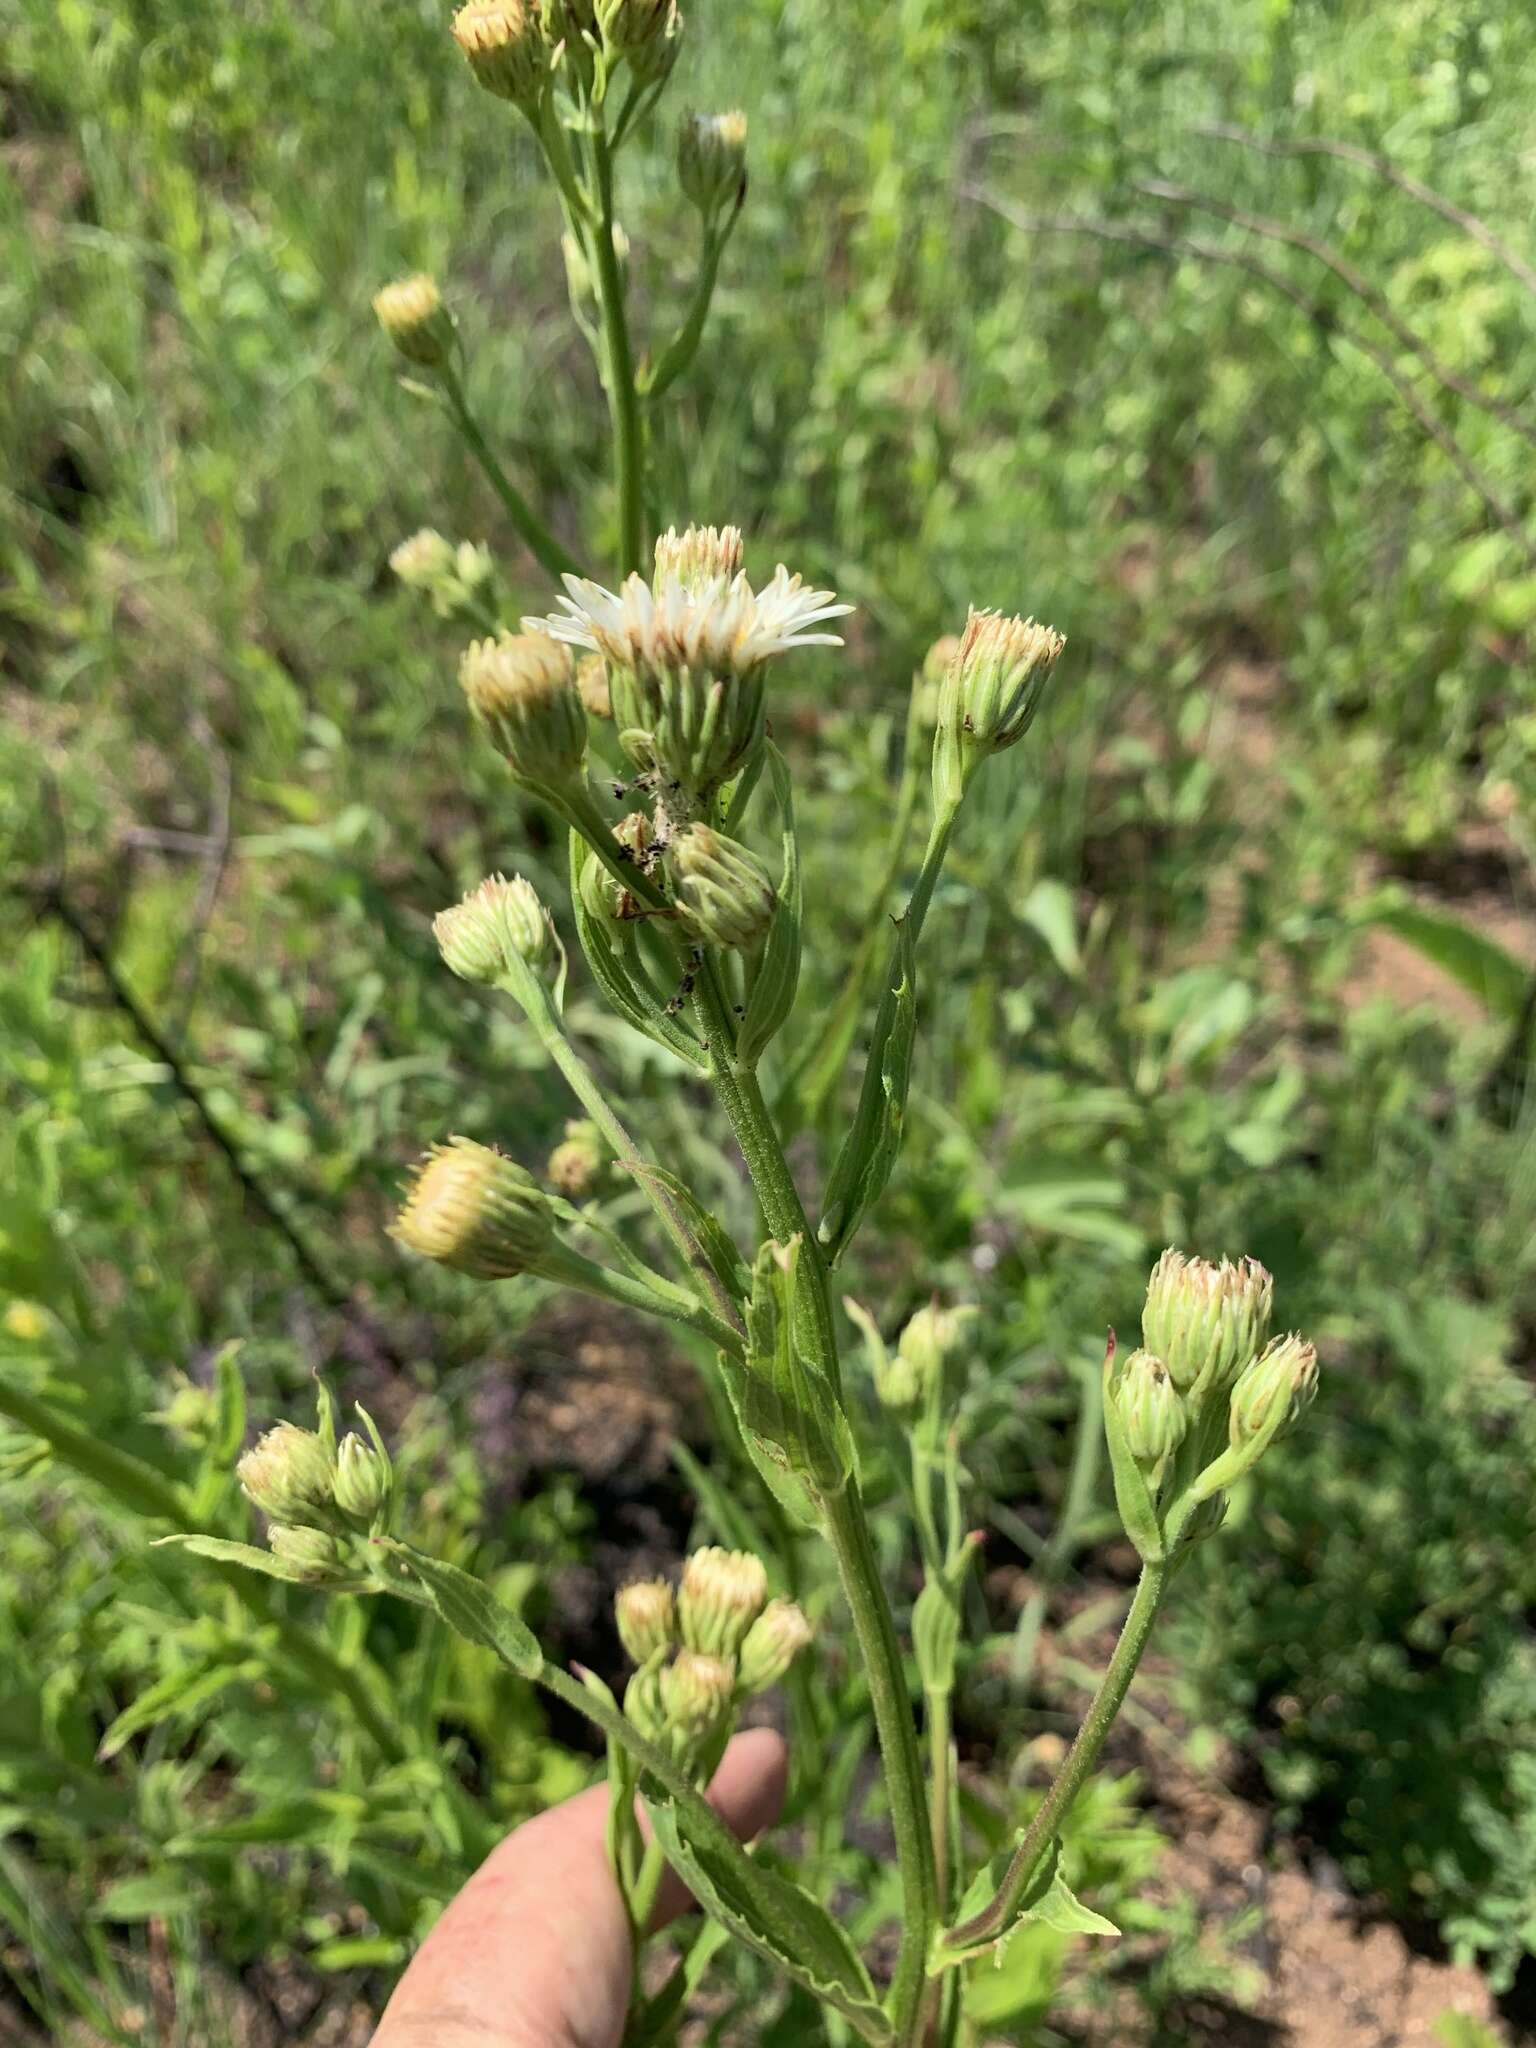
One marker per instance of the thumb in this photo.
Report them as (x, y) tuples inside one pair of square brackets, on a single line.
[(534, 1952)]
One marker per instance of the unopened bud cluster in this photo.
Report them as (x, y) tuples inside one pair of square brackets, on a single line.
[(704, 1649), (452, 577), (916, 1378), (319, 1498), (495, 923), (1204, 1378)]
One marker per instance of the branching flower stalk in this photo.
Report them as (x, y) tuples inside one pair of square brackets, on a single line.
[(687, 907)]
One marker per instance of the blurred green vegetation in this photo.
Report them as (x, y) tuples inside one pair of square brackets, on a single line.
[(1236, 956)]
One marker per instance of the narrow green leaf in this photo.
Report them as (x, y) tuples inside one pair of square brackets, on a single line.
[(178, 1692), (224, 1551), (715, 1241), (471, 1609), (155, 1895), (1480, 964), (869, 1152), (775, 1917), (1050, 910)]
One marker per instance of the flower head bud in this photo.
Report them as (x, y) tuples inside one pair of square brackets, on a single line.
[(411, 312), (192, 1412), (1204, 1320), (932, 1340), (898, 1385), (287, 1474), (725, 896), (697, 556), (362, 1485), (722, 1594), (648, 33), (578, 1163), (592, 686), (991, 691), (712, 161), (1285, 1377), (771, 1645), (646, 1612), (696, 1694), (1150, 1408), (643, 1704), (499, 918), (522, 688), (504, 43), (310, 1554), (424, 560), (471, 1209)]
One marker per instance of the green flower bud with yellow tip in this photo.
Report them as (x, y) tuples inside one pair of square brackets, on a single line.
[(287, 1474), (1151, 1410), (1206, 1320), (648, 33), (712, 162), (643, 1703), (771, 1645), (522, 690), (411, 312), (698, 556), (311, 1554), (646, 1613), (722, 1594), (1283, 1380), (697, 1692), (725, 896), (473, 1210), (503, 42), (989, 696), (363, 1480), (496, 919)]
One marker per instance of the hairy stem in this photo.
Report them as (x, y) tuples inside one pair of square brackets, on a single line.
[(1082, 1756), (623, 403)]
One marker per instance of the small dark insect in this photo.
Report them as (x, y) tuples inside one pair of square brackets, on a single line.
[(684, 991), (740, 1009), (620, 791)]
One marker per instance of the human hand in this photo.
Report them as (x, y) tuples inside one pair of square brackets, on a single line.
[(534, 1952)]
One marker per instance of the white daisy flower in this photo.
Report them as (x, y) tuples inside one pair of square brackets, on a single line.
[(722, 627)]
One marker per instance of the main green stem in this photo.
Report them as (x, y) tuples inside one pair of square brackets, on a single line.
[(846, 1526), (1081, 1758), (623, 402)]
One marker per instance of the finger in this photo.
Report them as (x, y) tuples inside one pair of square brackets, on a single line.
[(747, 1792), (534, 1951)]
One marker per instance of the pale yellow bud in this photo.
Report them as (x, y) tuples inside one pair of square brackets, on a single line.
[(424, 561), (577, 1163), (932, 1339), (725, 896), (496, 920), (1151, 1411), (696, 1694), (995, 680), (311, 1554), (1206, 1320), (471, 1209), (771, 1645), (646, 1612), (287, 1474), (505, 47), (712, 161), (722, 1594), (362, 1485), (522, 689), (1284, 1378), (592, 686), (411, 312)]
